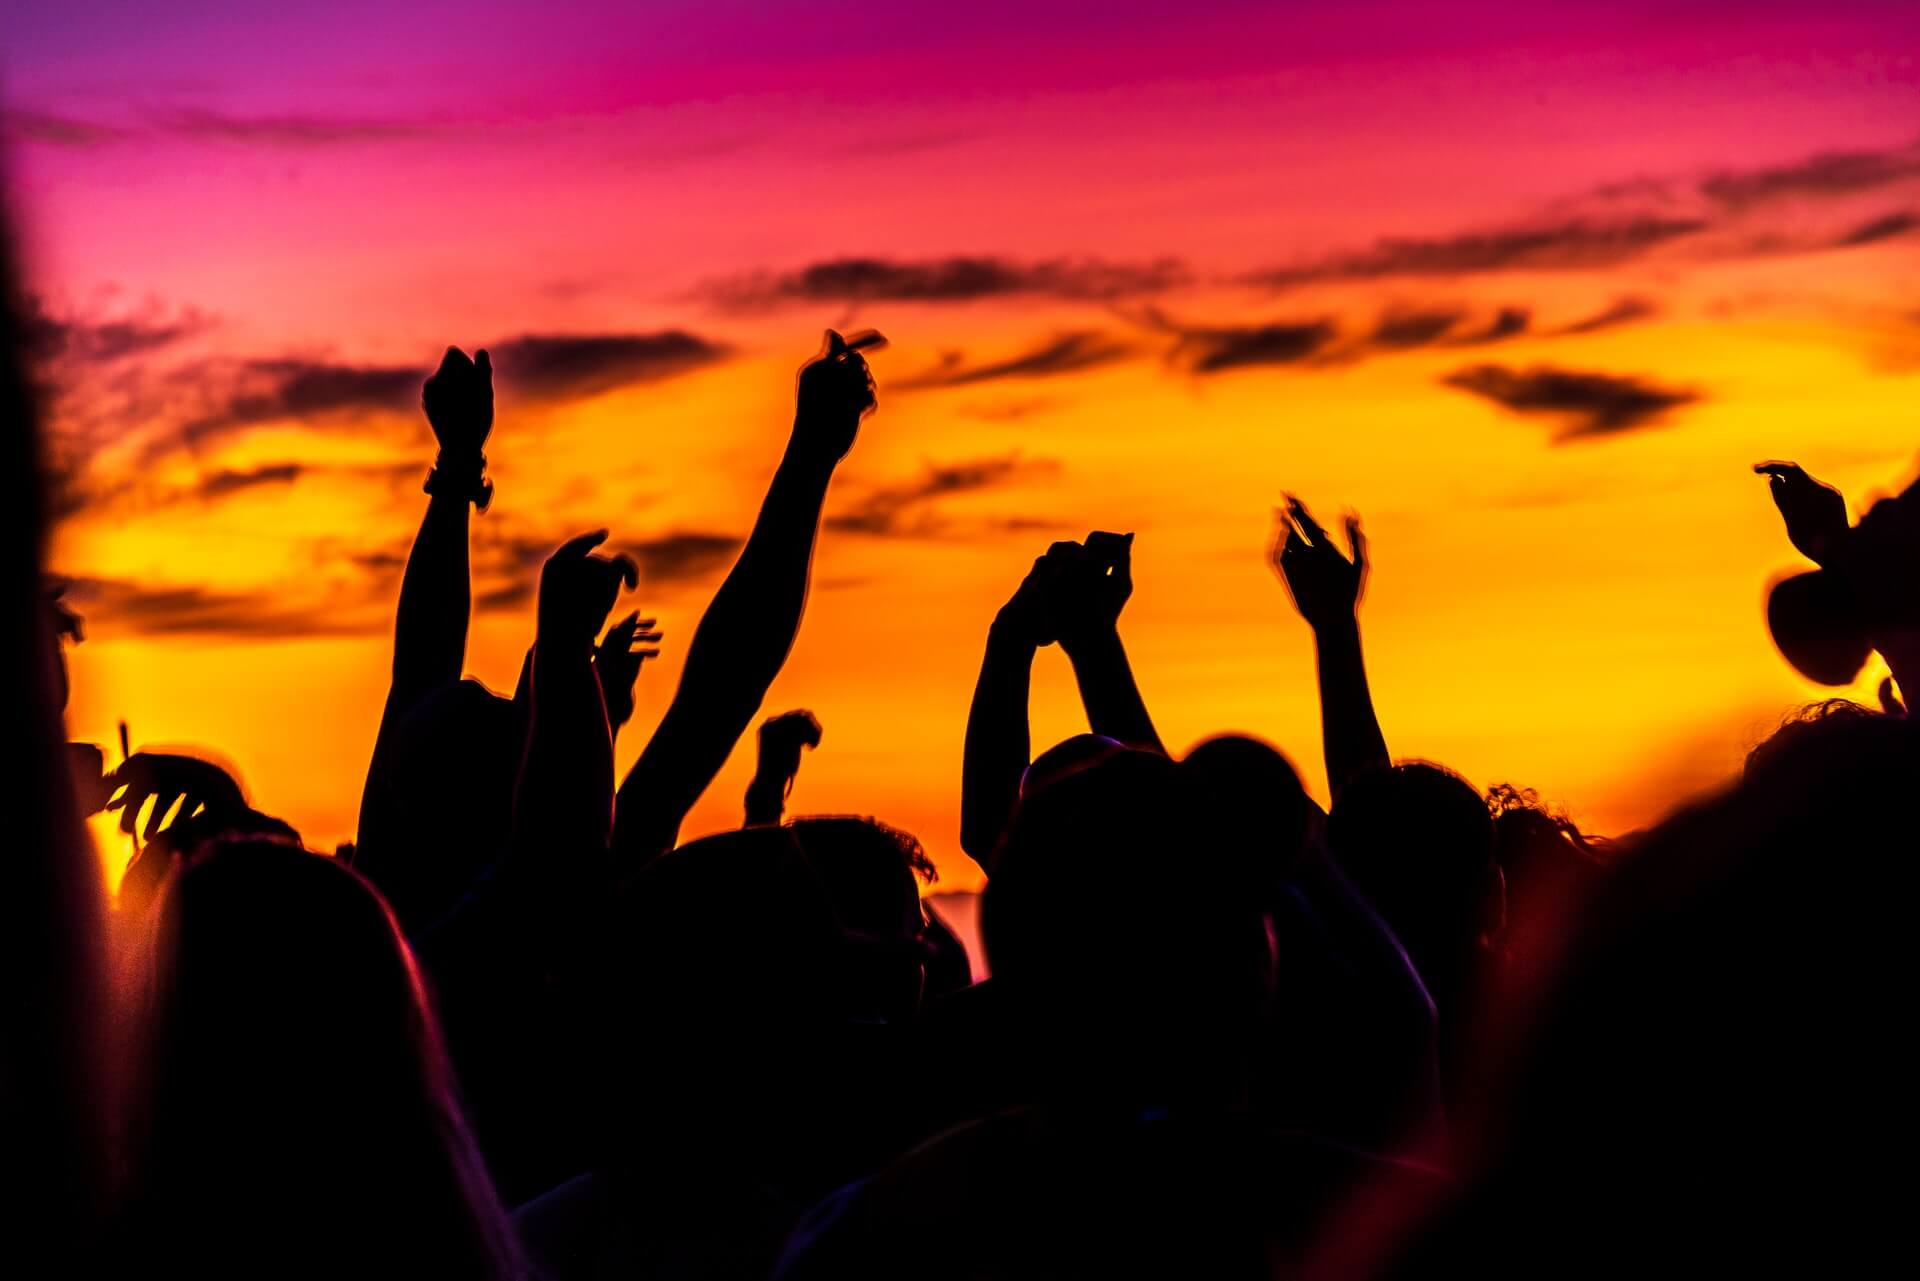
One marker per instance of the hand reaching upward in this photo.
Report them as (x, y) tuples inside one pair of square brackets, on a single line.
[(1815, 512), (458, 399), (618, 661), (1029, 612), (578, 589), (836, 392), (1325, 586), (1092, 588)]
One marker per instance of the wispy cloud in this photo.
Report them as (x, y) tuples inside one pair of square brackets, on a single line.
[(266, 391), (228, 481), (910, 509), (948, 280), (1576, 244), (1824, 174), (170, 610), (1068, 353), (568, 366), (1589, 404), (292, 130), (54, 130), (685, 556), (1212, 349), (1885, 227), (1621, 311), (102, 339), (281, 130), (507, 560)]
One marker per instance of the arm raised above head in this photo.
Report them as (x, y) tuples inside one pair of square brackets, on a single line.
[(1326, 588), (743, 640)]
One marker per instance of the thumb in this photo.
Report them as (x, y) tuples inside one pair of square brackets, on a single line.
[(836, 345), (582, 545)]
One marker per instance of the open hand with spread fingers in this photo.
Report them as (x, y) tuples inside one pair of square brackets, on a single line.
[(627, 645), (1326, 586)]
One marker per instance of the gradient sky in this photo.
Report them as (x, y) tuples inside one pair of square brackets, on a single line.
[(1529, 286)]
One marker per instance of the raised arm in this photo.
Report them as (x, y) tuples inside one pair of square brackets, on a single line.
[(1326, 589), (782, 738), (747, 631), (436, 593), (1089, 598), (998, 745), (563, 805)]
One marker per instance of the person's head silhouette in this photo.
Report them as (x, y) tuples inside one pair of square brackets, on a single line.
[(1416, 839), (1122, 907), (294, 1113), (1815, 621)]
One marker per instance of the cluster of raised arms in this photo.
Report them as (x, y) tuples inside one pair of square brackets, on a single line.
[(519, 1029)]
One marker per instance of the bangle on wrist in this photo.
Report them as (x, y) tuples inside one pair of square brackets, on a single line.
[(461, 478)]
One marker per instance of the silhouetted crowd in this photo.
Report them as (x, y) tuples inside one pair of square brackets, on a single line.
[(518, 1029)]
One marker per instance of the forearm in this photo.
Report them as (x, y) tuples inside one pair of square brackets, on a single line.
[(998, 742), (766, 801), (436, 597), (736, 652), (1109, 692), (1349, 728), (563, 805)]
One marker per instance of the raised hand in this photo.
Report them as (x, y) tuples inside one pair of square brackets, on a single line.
[(782, 737), (458, 399), (617, 663), (836, 392), (167, 778), (1815, 512), (578, 589), (1029, 612), (1325, 586), (1091, 589)]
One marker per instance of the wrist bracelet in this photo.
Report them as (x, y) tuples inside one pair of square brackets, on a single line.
[(467, 480)]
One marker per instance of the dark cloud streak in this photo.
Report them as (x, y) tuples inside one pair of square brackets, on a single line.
[(949, 280), (908, 510), (568, 366), (1592, 404), (1065, 354)]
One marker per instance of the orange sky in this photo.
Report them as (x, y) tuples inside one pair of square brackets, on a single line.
[(246, 265)]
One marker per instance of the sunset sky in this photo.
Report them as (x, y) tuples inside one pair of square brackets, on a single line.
[(1528, 286)]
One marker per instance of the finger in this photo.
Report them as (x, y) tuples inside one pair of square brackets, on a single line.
[(620, 635), (629, 570), (647, 638), (130, 815), (1305, 520), (156, 818), (579, 547), (1774, 467), (1357, 542), (484, 363), (642, 655)]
